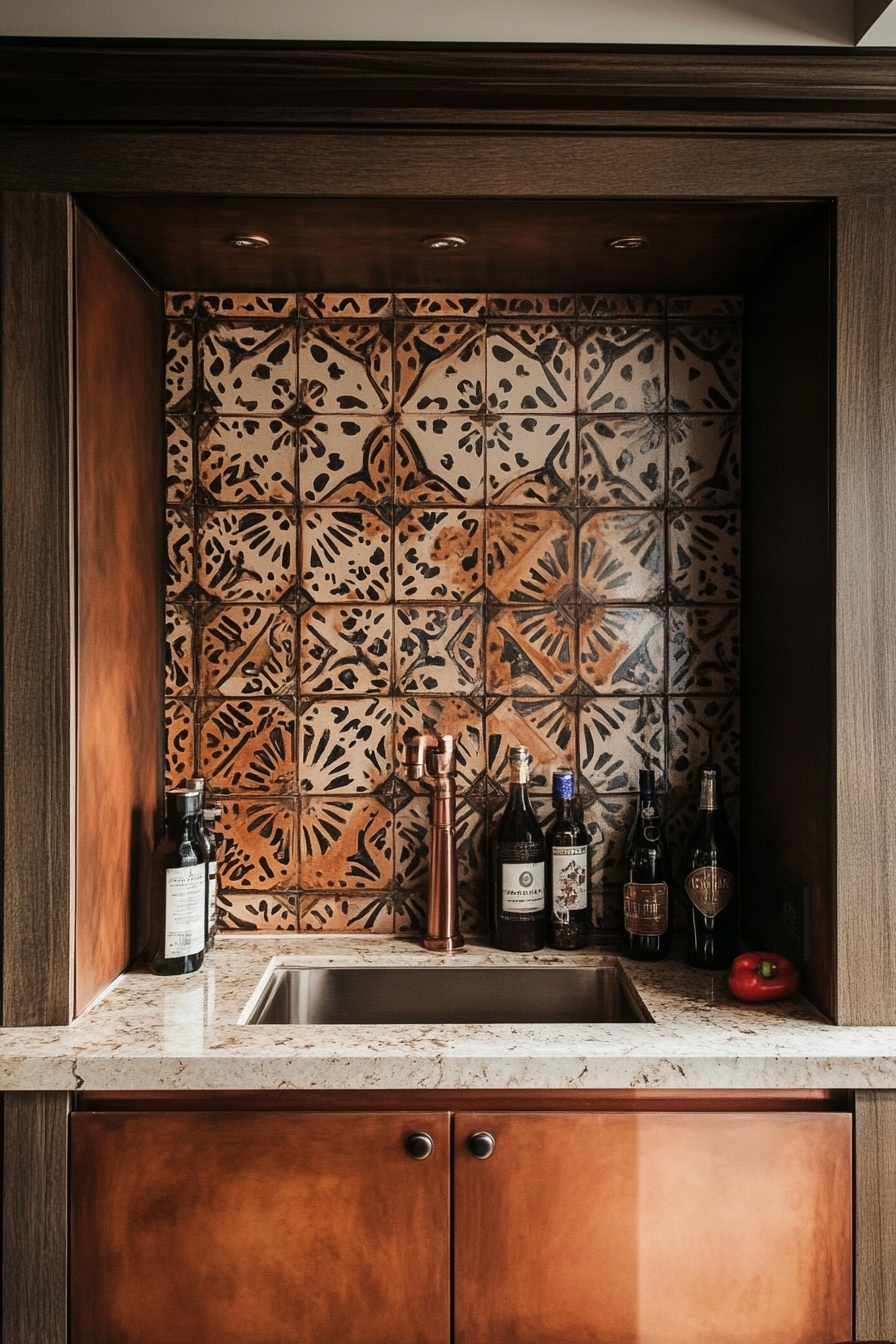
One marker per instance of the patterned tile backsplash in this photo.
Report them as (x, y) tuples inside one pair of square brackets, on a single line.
[(512, 517)]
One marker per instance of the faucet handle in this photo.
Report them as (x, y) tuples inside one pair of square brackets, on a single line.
[(415, 752), (441, 758)]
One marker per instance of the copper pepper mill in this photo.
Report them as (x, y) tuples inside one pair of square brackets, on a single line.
[(430, 758)]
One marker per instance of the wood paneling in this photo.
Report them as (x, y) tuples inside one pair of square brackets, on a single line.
[(38, 578), (35, 1216), (875, 1213), (120, 705), (274, 1229), (654, 1229)]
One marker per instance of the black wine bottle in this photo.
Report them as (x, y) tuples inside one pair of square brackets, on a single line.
[(647, 907), (198, 783), (518, 881), (567, 867), (179, 913), (210, 817), (710, 880)]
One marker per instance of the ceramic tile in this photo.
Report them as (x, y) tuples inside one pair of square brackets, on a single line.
[(347, 844), (248, 746), (545, 727), (621, 557), (247, 650), (441, 305), (346, 913), (439, 367), (439, 460), (179, 468), (180, 725), (704, 557), (346, 650), (345, 746), (460, 718), (248, 305), (622, 650), (438, 650), (619, 737), (622, 368), (531, 305), (706, 305), (622, 461), (182, 304), (346, 368), (531, 460), (345, 305), (346, 556), (179, 369), (704, 649), (345, 460), (247, 555), (704, 367), (621, 305), (530, 366), (439, 555), (412, 833), (250, 368), (264, 912), (704, 460), (248, 461), (530, 651), (609, 819), (530, 555), (181, 555), (258, 851), (179, 677), (703, 728)]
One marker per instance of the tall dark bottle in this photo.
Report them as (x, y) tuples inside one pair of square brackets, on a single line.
[(179, 905), (210, 817), (710, 880), (518, 878), (647, 904), (567, 867)]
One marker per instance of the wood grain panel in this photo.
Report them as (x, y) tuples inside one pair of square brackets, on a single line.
[(274, 1229), (875, 1141), (120, 705), (654, 1229), (866, 610), (35, 1216), (38, 671)]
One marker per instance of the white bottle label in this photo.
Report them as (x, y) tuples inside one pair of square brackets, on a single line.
[(212, 891), (186, 910), (569, 879), (522, 888)]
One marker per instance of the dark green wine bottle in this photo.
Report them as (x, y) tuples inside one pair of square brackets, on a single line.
[(518, 867), (710, 880), (179, 913), (567, 867), (647, 906)]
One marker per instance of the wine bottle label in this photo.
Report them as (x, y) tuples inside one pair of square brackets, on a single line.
[(710, 890), (212, 889), (645, 907), (186, 911), (569, 879), (522, 888)]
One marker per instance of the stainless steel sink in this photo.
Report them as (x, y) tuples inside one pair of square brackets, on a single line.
[(412, 994)]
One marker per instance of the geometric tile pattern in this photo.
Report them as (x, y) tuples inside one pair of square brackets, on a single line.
[(512, 517)]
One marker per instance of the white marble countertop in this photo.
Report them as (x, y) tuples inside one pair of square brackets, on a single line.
[(150, 1032)]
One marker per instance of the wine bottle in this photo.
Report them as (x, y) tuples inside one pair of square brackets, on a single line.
[(647, 908), (518, 881), (211, 815), (198, 784), (710, 880), (567, 867), (179, 913)]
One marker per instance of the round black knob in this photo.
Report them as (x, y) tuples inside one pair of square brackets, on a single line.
[(418, 1146), (481, 1145)]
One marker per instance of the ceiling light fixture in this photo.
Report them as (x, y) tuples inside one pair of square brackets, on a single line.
[(628, 244), (249, 240), (445, 242)]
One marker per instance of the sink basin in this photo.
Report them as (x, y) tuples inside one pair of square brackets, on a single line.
[(415, 994)]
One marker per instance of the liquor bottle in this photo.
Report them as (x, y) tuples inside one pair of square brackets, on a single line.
[(179, 912), (198, 784), (518, 883), (710, 880), (210, 816), (567, 867), (647, 906)]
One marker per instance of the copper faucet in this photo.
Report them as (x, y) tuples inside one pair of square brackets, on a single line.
[(430, 758)]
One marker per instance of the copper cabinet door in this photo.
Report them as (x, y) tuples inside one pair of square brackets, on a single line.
[(654, 1229), (261, 1228)]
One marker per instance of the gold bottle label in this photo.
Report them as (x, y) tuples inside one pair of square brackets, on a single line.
[(710, 889), (646, 907)]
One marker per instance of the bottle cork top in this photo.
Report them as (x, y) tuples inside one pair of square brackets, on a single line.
[(564, 785)]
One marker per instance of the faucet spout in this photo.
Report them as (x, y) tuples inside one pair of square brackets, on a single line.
[(431, 759)]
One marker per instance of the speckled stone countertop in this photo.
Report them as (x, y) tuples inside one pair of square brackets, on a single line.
[(148, 1032)]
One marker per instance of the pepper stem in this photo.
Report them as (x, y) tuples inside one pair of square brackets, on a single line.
[(768, 970)]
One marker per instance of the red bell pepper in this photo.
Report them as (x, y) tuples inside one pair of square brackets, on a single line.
[(759, 977)]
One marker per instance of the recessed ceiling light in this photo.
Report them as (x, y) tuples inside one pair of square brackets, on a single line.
[(445, 242), (630, 243), (249, 240)]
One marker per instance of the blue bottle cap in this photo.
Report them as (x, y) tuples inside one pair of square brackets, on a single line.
[(564, 784)]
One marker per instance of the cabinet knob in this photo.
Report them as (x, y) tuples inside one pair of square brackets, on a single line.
[(418, 1146), (481, 1145)]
